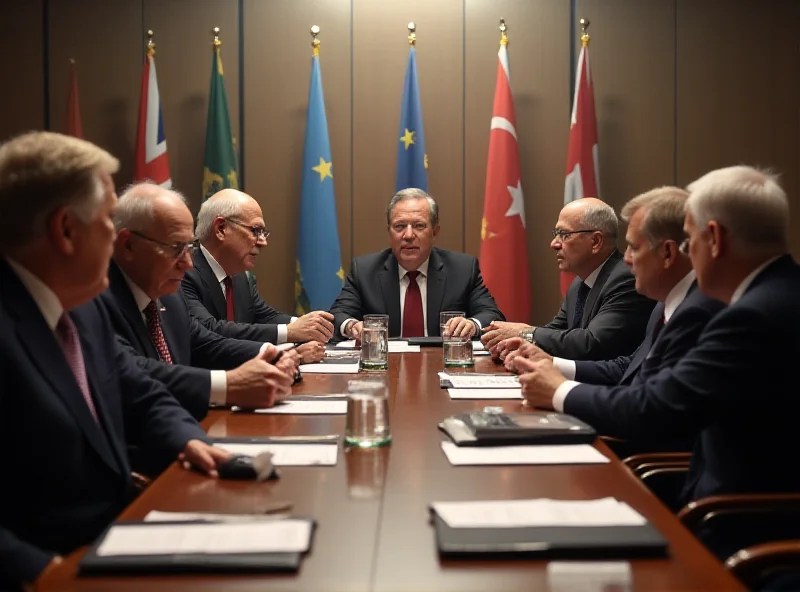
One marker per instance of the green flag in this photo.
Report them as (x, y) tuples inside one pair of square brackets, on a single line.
[(220, 170)]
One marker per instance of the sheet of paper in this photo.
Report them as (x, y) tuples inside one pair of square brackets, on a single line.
[(288, 455), (538, 512), (276, 536), (565, 454), (395, 347), (482, 352), (289, 407), (473, 380), (589, 576), (329, 368), (159, 516), (478, 346), (497, 393)]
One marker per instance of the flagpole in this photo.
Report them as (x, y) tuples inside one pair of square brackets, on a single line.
[(151, 45), (314, 41), (503, 29), (412, 34), (584, 35)]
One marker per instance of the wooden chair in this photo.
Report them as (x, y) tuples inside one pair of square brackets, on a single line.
[(775, 565)]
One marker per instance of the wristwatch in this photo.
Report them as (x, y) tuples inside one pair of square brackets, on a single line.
[(527, 334)]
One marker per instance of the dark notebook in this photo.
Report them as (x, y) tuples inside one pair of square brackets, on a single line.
[(425, 341), (480, 428), (614, 542), (93, 563)]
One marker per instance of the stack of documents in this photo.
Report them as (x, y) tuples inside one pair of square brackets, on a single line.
[(287, 454), (471, 385), (306, 405), (395, 347), (329, 368), (561, 454)]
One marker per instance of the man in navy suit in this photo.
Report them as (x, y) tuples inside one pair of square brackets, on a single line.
[(71, 399), (737, 386), (413, 281), (231, 232), (655, 231), (201, 368), (603, 316)]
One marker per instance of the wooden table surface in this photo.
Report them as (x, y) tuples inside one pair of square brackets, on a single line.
[(373, 531)]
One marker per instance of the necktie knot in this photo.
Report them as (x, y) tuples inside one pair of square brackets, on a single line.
[(228, 282), (150, 311), (412, 275)]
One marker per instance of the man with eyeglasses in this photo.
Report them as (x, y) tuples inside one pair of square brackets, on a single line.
[(603, 316), (231, 232), (413, 281), (152, 252)]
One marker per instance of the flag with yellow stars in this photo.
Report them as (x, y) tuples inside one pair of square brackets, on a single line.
[(412, 161), (319, 276), (219, 169)]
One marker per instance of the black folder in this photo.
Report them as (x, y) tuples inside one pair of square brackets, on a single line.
[(425, 341), (481, 428), (93, 564), (556, 542)]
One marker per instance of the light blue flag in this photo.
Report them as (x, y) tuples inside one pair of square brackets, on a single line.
[(412, 160), (319, 276)]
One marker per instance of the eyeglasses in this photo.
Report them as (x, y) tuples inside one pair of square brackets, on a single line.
[(258, 231), (173, 251), (684, 246), (564, 235)]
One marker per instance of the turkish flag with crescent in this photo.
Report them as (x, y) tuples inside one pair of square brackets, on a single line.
[(504, 248), (583, 178)]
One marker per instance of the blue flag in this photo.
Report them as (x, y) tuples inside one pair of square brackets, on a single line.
[(412, 160), (319, 276)]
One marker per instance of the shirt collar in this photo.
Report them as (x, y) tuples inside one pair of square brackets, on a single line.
[(592, 277), (739, 292), (219, 273), (422, 269), (142, 299), (47, 301), (678, 294)]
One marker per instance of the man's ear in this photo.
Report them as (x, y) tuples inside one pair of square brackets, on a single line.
[(219, 227), (435, 231), (669, 251), (61, 228), (717, 234)]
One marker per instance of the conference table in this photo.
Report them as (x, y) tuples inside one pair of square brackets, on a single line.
[(372, 509)]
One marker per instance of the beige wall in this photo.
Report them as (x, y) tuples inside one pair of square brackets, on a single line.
[(679, 90)]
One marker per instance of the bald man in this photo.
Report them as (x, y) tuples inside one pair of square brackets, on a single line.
[(231, 232), (603, 316)]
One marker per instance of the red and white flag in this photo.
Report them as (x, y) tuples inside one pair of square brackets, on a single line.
[(74, 127), (504, 248), (151, 144), (583, 177)]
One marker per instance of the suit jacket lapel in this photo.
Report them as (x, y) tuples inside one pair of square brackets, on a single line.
[(594, 293), (390, 289), (212, 286), (646, 346), (127, 306), (437, 278)]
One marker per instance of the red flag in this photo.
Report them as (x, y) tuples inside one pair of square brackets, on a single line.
[(583, 179), (504, 248), (74, 127)]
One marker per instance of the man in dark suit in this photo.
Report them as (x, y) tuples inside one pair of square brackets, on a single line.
[(201, 368), (603, 316), (413, 281), (231, 232), (737, 386), (70, 399), (655, 231)]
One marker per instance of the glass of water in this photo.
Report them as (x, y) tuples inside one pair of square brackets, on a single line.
[(375, 342), (367, 413)]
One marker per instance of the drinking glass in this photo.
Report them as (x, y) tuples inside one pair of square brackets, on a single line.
[(375, 342), (367, 423)]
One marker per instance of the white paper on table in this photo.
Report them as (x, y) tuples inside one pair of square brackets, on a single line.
[(589, 576), (481, 352), (276, 536), (288, 455), (160, 516), (478, 346), (304, 407), (538, 513), (497, 393), (395, 347), (562, 454), (490, 381), (329, 368)]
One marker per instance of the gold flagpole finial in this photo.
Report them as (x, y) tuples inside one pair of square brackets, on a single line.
[(216, 43), (503, 29), (584, 35), (315, 42), (151, 45), (72, 61), (412, 34)]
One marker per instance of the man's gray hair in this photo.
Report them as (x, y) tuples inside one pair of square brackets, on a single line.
[(43, 171), (601, 217), (223, 206), (664, 214), (135, 206), (413, 193), (748, 202)]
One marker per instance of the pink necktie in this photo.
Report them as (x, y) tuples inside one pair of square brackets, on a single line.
[(156, 334), (70, 343)]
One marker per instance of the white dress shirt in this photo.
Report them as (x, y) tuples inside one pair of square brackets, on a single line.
[(46, 300), (219, 273), (742, 288), (567, 367), (219, 380)]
